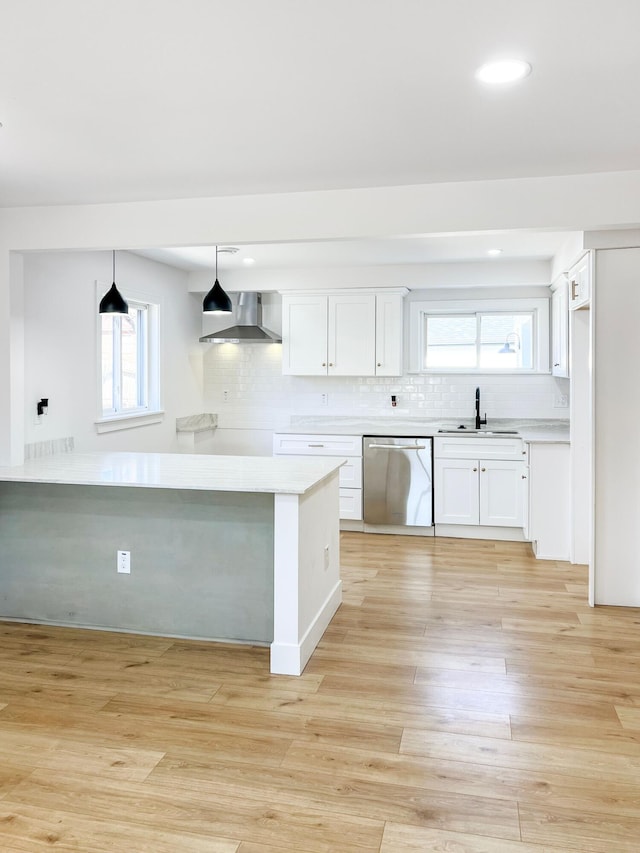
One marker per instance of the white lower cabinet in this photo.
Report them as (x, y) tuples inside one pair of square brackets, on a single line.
[(347, 447), (480, 491), (550, 500), (456, 492), (474, 490), (502, 493)]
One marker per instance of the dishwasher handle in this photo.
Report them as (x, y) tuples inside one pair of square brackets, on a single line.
[(397, 446)]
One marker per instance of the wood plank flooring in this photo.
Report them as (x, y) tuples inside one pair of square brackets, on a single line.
[(464, 699)]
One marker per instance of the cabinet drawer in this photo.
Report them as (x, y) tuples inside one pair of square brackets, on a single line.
[(308, 444), (351, 473), (351, 504), (498, 447)]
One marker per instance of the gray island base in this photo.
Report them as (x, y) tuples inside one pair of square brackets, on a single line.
[(241, 549)]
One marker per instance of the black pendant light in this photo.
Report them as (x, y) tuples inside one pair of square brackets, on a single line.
[(113, 302), (216, 301)]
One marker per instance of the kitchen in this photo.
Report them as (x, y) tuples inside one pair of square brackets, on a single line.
[(465, 695), (57, 272), (44, 247), (53, 371), (244, 384)]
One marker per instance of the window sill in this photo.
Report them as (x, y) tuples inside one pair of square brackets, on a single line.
[(137, 419)]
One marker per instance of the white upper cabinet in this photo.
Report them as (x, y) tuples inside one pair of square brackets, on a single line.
[(343, 333), (560, 329), (580, 282), (351, 334), (304, 335), (389, 309)]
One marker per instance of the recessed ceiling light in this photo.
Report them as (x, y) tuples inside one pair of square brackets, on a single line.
[(503, 71), (248, 261), (494, 251)]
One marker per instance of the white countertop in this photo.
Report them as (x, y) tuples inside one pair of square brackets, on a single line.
[(275, 475), (531, 431)]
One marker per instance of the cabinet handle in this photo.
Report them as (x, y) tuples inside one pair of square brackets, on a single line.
[(524, 452), (557, 364), (475, 469), (379, 364), (399, 447), (330, 364), (574, 290), (324, 363), (524, 476), (315, 445), (483, 469)]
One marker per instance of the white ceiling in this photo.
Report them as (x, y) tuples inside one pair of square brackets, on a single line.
[(113, 100), (430, 248)]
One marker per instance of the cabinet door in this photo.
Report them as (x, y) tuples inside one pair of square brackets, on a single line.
[(304, 335), (560, 331), (502, 493), (550, 500), (351, 341), (580, 282), (455, 483), (389, 319)]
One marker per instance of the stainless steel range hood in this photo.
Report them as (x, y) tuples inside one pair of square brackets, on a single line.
[(248, 328)]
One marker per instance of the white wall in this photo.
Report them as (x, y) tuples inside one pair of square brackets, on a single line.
[(60, 347), (617, 414)]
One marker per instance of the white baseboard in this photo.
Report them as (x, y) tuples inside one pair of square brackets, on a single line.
[(472, 531), (399, 529), (290, 658)]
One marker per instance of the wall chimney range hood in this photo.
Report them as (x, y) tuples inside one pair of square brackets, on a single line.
[(248, 328)]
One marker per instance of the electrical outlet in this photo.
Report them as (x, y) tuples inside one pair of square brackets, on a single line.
[(324, 399), (225, 395), (123, 562), (561, 401)]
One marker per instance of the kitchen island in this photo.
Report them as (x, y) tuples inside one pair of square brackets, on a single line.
[(227, 548)]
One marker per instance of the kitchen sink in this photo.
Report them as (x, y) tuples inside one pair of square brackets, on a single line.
[(466, 431)]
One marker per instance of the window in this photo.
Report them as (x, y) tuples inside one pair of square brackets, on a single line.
[(497, 341), (128, 363), (479, 336), (125, 385)]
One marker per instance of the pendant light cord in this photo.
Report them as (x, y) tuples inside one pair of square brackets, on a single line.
[(114, 265), (216, 263)]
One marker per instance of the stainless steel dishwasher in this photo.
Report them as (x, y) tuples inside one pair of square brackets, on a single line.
[(397, 481)]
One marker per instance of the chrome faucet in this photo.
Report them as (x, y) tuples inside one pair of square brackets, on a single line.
[(479, 421)]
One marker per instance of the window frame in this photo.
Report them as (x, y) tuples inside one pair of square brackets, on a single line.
[(419, 310), (149, 409)]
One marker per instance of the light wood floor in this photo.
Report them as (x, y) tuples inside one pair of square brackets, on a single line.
[(464, 699)]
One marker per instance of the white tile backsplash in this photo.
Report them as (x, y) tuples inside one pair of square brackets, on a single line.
[(258, 396)]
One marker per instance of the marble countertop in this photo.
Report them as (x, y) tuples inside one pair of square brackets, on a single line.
[(275, 475), (531, 430), (197, 423)]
